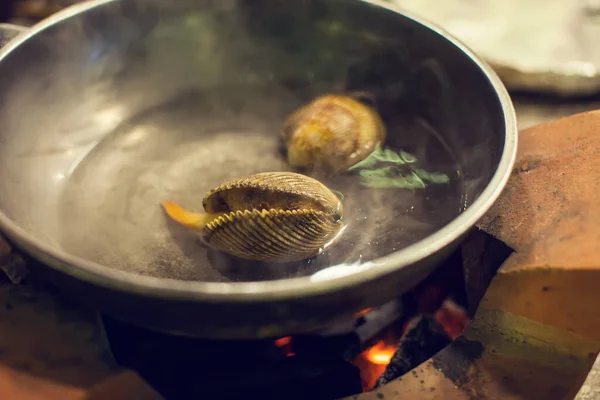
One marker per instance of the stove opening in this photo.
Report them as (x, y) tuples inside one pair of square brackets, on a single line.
[(377, 346), (398, 350), (433, 315)]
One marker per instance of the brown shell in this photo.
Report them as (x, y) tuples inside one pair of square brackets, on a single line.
[(332, 132), (273, 216)]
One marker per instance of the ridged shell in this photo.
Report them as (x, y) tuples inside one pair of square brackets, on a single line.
[(332, 132), (273, 216), (272, 235)]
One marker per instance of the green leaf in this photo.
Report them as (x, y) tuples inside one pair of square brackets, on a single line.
[(400, 182), (432, 176), (374, 173), (407, 157), (390, 176), (384, 155)]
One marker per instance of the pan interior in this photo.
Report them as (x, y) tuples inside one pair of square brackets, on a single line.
[(109, 210), (110, 112)]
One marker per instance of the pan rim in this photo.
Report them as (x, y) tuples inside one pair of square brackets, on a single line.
[(109, 278)]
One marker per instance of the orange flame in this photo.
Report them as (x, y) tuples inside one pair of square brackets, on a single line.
[(373, 361), (380, 354)]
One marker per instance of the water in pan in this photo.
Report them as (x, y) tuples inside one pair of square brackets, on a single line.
[(110, 209)]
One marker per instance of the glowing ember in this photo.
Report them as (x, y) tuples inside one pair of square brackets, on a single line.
[(285, 344), (373, 361), (453, 318), (363, 312), (369, 371), (380, 353), (284, 341)]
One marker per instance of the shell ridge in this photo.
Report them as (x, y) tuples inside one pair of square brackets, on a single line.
[(246, 240), (304, 236), (247, 221), (239, 238), (284, 230), (274, 239), (297, 235), (290, 226), (308, 229), (265, 216), (253, 229), (223, 239)]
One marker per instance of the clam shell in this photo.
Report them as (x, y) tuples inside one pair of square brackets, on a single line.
[(272, 190), (272, 235), (332, 132), (273, 216)]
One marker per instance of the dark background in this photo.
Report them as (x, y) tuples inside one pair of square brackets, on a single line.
[(5, 9)]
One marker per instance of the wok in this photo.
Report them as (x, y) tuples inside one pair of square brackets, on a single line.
[(111, 106)]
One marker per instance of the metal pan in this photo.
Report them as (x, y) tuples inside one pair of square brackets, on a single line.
[(109, 107)]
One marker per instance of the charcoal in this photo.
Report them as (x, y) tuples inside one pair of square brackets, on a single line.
[(423, 338)]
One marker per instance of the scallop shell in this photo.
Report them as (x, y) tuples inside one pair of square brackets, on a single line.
[(273, 216), (332, 133)]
